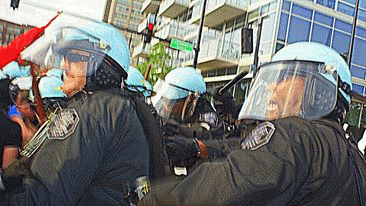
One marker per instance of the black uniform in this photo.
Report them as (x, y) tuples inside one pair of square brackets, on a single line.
[(94, 149), (285, 162)]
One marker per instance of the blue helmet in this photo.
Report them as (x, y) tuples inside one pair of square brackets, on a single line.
[(314, 81), (99, 44), (136, 82), (50, 91), (179, 84), (13, 70)]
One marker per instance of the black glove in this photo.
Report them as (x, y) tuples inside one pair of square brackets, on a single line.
[(228, 103), (180, 149), (12, 176)]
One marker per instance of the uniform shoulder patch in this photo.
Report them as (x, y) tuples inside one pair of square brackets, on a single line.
[(259, 136), (63, 124)]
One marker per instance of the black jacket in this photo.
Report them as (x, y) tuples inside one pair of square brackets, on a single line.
[(95, 147), (284, 162)]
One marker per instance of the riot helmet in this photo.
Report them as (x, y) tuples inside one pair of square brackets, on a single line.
[(136, 82), (51, 93), (304, 79), (178, 94), (99, 46)]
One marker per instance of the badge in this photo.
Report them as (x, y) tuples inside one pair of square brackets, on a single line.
[(258, 136), (63, 124)]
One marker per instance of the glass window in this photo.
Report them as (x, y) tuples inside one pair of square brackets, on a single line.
[(267, 33), (327, 3), (299, 10), (341, 42), (361, 15), (322, 18), (343, 26), (361, 32), (283, 27), (357, 88), (359, 56), (321, 34), (351, 1), (358, 72), (299, 30), (349, 10), (286, 5), (362, 4)]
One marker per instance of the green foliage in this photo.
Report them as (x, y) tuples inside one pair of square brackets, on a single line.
[(159, 59)]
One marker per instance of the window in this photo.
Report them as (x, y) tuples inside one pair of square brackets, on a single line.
[(343, 26), (358, 72), (327, 3), (359, 56), (283, 27), (299, 10), (357, 88), (351, 1), (321, 34), (361, 32), (349, 10), (286, 6), (299, 30), (341, 42), (361, 15), (321, 18)]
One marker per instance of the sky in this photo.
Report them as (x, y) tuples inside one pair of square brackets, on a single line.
[(39, 12)]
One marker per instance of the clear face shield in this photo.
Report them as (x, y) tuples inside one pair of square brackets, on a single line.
[(174, 102), (64, 47), (291, 88)]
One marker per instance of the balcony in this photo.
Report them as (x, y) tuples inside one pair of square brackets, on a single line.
[(150, 6), (214, 55), (220, 11), (173, 8), (172, 29)]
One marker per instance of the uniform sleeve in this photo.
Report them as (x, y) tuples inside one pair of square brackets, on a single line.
[(268, 174), (65, 168)]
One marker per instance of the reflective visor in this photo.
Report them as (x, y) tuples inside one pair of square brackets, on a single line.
[(169, 100), (290, 88)]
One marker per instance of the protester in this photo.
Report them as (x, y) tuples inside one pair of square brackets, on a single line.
[(93, 151), (298, 155)]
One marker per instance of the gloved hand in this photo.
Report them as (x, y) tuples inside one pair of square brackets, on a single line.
[(13, 111), (228, 102), (180, 149), (12, 176)]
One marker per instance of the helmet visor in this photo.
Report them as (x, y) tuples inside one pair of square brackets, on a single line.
[(169, 100), (62, 42), (290, 88)]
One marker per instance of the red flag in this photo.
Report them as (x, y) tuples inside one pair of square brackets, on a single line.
[(12, 51)]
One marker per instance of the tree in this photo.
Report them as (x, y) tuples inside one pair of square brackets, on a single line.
[(159, 59)]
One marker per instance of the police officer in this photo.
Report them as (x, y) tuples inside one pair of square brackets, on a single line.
[(299, 154), (192, 128), (94, 150)]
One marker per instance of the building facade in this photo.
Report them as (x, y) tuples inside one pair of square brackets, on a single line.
[(125, 14), (283, 22), (9, 31)]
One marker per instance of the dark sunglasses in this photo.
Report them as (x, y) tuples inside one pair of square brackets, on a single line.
[(72, 57)]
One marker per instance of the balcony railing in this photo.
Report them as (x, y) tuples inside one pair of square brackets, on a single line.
[(173, 8)]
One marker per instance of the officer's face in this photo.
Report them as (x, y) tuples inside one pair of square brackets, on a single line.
[(74, 66), (286, 98)]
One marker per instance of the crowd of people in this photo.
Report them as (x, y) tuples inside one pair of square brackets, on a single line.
[(81, 126)]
